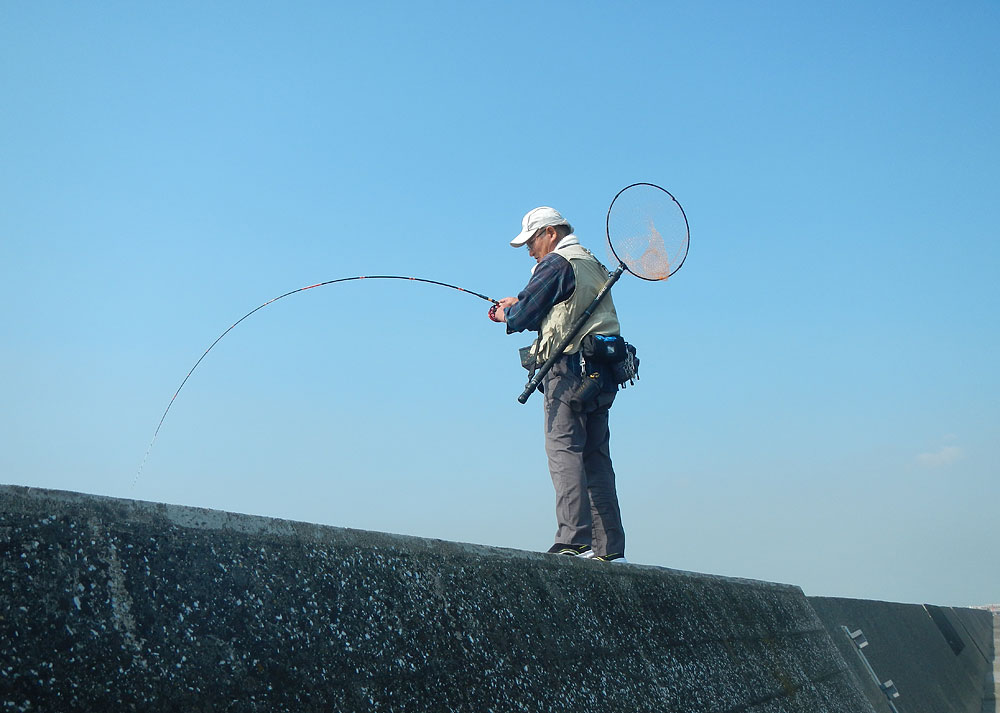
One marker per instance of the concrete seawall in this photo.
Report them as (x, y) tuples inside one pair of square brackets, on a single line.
[(940, 659), (118, 605)]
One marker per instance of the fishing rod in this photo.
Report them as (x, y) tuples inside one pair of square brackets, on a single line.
[(271, 301)]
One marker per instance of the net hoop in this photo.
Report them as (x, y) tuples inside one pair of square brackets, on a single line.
[(679, 239)]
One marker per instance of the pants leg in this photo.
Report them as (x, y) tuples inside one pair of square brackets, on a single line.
[(608, 533), (565, 439), (577, 445)]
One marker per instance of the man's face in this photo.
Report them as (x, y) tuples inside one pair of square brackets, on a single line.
[(542, 243)]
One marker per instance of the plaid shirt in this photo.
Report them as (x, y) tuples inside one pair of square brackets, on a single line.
[(551, 283)]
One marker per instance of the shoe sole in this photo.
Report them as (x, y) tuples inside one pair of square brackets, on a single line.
[(586, 554)]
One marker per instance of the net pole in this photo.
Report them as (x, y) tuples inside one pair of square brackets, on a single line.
[(540, 374)]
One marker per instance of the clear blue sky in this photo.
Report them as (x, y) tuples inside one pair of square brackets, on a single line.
[(819, 402)]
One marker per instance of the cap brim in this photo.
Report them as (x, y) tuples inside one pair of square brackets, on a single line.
[(522, 237)]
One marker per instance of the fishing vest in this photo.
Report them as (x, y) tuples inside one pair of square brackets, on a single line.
[(590, 276)]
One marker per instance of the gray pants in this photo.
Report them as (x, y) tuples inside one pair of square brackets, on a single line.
[(577, 444)]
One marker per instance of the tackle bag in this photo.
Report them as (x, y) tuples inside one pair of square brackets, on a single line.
[(614, 353)]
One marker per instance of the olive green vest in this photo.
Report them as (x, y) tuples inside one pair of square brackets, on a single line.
[(590, 276)]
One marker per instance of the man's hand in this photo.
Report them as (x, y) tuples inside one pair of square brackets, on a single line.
[(497, 310)]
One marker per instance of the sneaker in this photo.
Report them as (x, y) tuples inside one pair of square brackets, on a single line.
[(611, 558), (574, 550)]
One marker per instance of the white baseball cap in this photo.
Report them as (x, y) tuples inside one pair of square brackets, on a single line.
[(533, 220)]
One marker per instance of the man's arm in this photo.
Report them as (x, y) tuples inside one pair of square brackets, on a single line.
[(551, 283)]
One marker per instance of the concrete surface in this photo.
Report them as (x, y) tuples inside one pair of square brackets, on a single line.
[(940, 659), (118, 605)]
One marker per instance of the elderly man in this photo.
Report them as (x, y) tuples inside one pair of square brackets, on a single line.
[(564, 282)]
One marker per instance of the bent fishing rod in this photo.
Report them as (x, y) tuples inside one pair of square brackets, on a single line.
[(271, 301)]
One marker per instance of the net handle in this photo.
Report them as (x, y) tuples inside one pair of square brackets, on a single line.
[(611, 245)]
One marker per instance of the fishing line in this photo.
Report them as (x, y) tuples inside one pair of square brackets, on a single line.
[(271, 301)]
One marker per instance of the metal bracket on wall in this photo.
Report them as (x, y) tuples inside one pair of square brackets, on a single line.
[(887, 687)]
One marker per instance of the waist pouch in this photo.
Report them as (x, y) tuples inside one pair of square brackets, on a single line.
[(617, 356), (627, 370), (527, 355), (601, 349)]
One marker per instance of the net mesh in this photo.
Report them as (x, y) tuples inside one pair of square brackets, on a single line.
[(647, 231)]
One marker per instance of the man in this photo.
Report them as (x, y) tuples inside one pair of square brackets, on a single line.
[(564, 282)]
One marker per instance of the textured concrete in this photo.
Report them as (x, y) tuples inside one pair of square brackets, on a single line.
[(120, 605), (940, 659)]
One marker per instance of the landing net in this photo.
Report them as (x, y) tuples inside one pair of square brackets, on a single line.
[(648, 231)]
